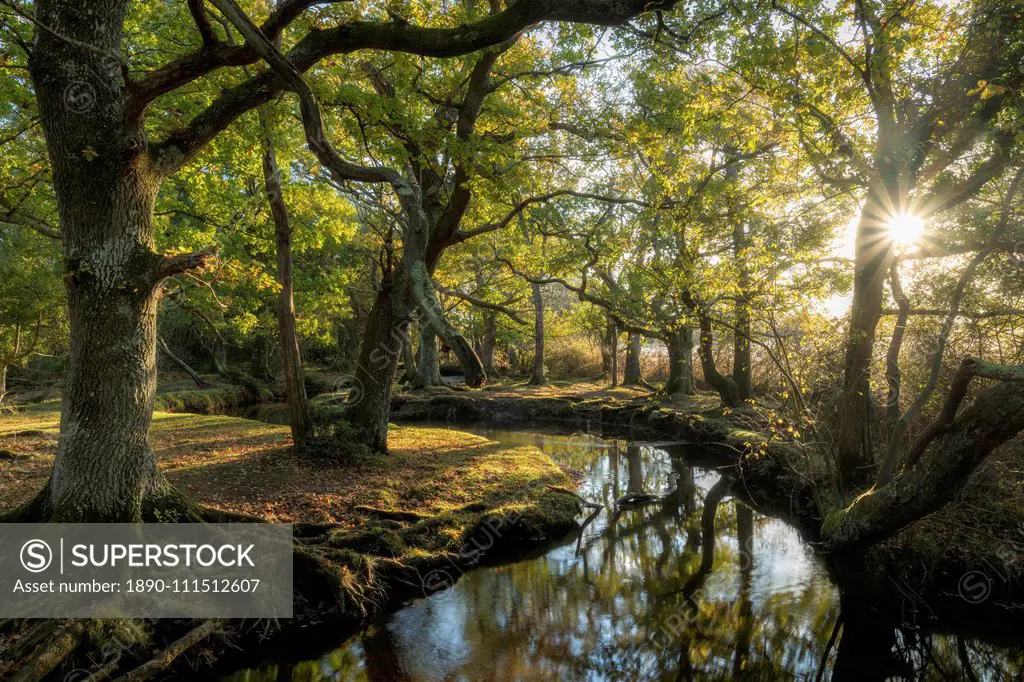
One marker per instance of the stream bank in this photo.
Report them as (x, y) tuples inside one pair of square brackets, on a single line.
[(370, 531), (695, 585), (964, 561)]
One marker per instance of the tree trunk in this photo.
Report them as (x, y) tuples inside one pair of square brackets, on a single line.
[(220, 359), (487, 343), (741, 363), (368, 406), (996, 415), (428, 369), (433, 316), (606, 350), (198, 380), (893, 375), (291, 355), (680, 362), (631, 376), (3, 383), (614, 331), (259, 362), (408, 358), (873, 256), (725, 386), (105, 191), (538, 378)]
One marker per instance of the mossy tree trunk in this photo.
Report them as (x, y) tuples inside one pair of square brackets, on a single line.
[(487, 342), (873, 249), (680, 362), (428, 368), (995, 416), (408, 358), (369, 403), (723, 384), (106, 187)]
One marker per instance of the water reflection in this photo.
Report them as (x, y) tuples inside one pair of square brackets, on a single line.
[(696, 586)]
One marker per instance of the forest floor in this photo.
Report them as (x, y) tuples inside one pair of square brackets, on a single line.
[(248, 467), (371, 530)]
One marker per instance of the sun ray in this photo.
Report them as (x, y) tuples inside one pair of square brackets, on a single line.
[(906, 229)]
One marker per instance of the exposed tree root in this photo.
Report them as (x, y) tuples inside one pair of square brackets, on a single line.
[(56, 640), (391, 514), (168, 655)]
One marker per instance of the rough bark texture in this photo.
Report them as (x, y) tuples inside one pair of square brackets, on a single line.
[(631, 375), (408, 358), (538, 377), (487, 343), (104, 464), (680, 362), (3, 382), (433, 316), (369, 404), (291, 355)]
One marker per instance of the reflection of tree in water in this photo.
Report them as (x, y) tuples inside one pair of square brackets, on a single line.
[(632, 606), (669, 591)]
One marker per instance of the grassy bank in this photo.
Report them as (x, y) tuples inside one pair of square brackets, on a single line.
[(248, 467), (370, 530)]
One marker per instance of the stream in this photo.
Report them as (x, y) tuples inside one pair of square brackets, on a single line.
[(644, 594)]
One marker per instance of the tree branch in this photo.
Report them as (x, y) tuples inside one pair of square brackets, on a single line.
[(168, 266), (195, 8), (480, 303), (312, 120), (318, 44)]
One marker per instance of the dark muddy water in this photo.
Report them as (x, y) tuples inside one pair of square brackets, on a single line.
[(645, 594)]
